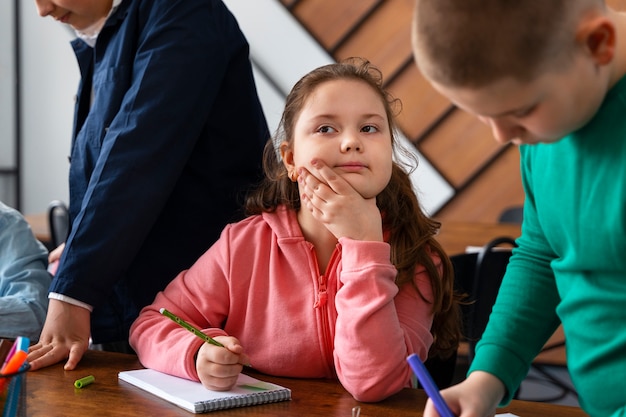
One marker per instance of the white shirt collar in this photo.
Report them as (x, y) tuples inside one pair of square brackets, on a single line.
[(90, 35)]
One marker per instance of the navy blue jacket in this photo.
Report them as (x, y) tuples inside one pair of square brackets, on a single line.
[(162, 152)]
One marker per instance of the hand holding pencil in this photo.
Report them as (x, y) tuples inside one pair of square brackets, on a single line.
[(478, 395), (219, 367), (219, 361)]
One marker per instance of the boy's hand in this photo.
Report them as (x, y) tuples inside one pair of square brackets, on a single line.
[(337, 205), (55, 254), (65, 335), (477, 396), (53, 259), (219, 367)]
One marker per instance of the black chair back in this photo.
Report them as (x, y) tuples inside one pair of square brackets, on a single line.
[(514, 214), (479, 275), (59, 222)]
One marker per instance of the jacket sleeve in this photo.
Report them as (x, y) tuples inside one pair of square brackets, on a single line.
[(24, 280), (378, 325), (182, 53)]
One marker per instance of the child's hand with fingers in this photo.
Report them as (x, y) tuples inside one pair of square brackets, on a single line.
[(218, 367), (476, 396), (335, 203)]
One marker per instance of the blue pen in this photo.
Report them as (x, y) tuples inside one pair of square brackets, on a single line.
[(429, 385)]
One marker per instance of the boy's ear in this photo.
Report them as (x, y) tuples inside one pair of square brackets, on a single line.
[(597, 36)]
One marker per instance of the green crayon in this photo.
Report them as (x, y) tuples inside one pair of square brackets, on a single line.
[(79, 383)]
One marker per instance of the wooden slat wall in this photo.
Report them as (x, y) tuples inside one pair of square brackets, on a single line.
[(484, 174)]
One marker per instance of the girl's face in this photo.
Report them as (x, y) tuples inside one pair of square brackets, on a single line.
[(344, 124), (79, 14)]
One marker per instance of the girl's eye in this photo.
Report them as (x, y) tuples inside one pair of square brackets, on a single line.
[(326, 129), (369, 129)]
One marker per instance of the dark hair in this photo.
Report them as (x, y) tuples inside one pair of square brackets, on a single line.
[(411, 232), (470, 43)]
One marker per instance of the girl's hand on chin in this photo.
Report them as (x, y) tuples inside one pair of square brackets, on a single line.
[(337, 205)]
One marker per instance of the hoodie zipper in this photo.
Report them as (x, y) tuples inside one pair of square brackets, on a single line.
[(321, 303)]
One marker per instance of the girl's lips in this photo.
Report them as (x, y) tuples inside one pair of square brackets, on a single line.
[(352, 166)]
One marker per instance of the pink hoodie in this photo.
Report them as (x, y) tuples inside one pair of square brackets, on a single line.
[(260, 283)]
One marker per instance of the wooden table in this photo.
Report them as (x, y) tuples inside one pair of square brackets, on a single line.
[(40, 226), (51, 393)]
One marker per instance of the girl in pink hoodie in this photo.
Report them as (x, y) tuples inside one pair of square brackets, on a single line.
[(335, 273)]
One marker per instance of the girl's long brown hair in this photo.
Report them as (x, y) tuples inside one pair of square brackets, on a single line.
[(411, 233)]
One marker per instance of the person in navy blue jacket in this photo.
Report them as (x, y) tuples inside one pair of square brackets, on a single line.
[(168, 137)]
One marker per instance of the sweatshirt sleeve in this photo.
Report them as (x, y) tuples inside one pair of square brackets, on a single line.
[(378, 325), (524, 314), (200, 296)]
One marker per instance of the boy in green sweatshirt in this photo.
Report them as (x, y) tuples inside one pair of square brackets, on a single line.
[(548, 76)]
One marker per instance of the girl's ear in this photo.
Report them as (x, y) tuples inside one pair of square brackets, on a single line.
[(286, 154), (597, 35)]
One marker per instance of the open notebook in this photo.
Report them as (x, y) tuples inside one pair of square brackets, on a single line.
[(192, 396)]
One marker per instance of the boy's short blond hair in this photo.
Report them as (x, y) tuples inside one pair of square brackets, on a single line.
[(470, 43)]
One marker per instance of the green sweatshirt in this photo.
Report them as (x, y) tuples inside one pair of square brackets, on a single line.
[(570, 265)]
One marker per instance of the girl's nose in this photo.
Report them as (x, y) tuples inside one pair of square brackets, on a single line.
[(351, 142)]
